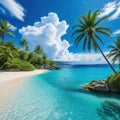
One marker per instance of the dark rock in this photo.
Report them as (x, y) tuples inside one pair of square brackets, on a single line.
[(51, 67), (101, 87), (114, 90)]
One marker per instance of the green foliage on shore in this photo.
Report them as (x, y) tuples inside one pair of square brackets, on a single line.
[(114, 81), (18, 64), (12, 58)]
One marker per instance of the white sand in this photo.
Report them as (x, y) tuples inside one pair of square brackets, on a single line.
[(11, 81), (5, 76)]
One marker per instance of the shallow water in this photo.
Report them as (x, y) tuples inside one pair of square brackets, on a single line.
[(56, 95)]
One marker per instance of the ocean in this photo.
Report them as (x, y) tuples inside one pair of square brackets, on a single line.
[(57, 95)]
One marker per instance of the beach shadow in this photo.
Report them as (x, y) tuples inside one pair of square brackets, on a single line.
[(109, 110), (95, 93)]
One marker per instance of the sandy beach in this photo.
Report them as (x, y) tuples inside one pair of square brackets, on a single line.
[(10, 81)]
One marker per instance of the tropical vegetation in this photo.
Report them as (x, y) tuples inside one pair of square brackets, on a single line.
[(88, 30), (114, 81), (5, 29), (14, 58), (115, 51)]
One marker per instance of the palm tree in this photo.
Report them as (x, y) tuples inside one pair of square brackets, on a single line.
[(4, 29), (88, 29), (25, 44), (39, 51), (115, 51), (8, 51), (6, 55)]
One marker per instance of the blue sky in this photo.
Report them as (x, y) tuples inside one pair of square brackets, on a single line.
[(49, 23)]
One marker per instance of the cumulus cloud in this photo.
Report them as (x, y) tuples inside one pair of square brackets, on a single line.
[(112, 9), (48, 32), (14, 8)]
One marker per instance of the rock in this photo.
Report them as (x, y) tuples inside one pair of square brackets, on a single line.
[(114, 90), (101, 87), (51, 67)]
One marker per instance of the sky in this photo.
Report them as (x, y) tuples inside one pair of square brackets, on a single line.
[(49, 23)]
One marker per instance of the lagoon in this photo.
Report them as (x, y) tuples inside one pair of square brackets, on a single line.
[(56, 95)]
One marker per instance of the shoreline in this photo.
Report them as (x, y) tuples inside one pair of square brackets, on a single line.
[(11, 81), (8, 76)]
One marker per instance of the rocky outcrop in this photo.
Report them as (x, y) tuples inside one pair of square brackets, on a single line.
[(100, 86), (50, 67)]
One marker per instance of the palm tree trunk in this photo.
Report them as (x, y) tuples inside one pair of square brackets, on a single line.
[(107, 60)]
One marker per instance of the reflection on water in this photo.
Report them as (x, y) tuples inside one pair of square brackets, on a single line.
[(109, 110)]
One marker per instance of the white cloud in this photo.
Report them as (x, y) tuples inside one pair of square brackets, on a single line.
[(12, 27), (108, 8), (48, 32), (14, 8), (112, 9), (117, 32)]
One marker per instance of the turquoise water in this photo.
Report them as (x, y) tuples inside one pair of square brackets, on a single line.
[(56, 95)]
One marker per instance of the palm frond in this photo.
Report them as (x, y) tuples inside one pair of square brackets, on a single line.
[(77, 32), (114, 59), (79, 38), (99, 38), (100, 20), (95, 14), (104, 28), (104, 33), (82, 23), (111, 46), (11, 34)]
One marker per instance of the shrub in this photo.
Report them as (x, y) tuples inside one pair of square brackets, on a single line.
[(114, 81), (19, 65)]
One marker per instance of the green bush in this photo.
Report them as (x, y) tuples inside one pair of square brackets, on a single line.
[(114, 81), (19, 65)]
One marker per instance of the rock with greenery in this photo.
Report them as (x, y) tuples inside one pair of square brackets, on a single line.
[(114, 82)]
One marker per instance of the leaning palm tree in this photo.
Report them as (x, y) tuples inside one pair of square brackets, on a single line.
[(115, 51), (25, 44), (88, 29), (4, 29)]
